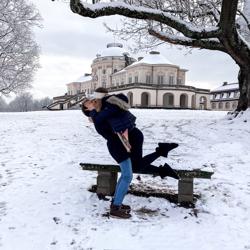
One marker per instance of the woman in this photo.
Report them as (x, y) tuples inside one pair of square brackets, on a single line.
[(107, 114)]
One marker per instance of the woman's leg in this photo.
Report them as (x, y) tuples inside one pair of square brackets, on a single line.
[(141, 164), (124, 181)]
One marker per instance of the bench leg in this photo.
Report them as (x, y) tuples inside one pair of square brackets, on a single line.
[(185, 190), (106, 183)]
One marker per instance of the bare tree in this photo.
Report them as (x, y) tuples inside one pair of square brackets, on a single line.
[(25, 102), (22, 103), (18, 50), (221, 25)]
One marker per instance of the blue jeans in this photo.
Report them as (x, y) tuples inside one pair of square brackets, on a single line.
[(123, 182)]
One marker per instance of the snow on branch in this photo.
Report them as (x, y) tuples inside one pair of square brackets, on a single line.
[(211, 44), (131, 11)]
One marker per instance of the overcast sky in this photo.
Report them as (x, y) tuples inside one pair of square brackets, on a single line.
[(70, 42)]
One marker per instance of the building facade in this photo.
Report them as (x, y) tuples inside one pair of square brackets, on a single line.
[(152, 81), (225, 97)]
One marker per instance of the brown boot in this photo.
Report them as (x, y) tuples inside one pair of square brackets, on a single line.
[(127, 208), (118, 212)]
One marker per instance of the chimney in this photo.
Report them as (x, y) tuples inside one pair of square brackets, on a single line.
[(224, 83)]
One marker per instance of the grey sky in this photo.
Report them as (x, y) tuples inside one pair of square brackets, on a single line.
[(70, 42)]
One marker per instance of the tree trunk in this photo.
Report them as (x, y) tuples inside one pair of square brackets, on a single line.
[(244, 86)]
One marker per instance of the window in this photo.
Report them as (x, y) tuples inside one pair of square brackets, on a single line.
[(220, 105), (115, 70), (213, 105), (179, 81), (148, 79), (202, 99), (227, 105), (130, 79), (160, 79), (171, 80), (136, 79), (104, 71)]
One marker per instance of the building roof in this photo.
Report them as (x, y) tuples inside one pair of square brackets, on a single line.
[(226, 87), (113, 49), (153, 58), (84, 78)]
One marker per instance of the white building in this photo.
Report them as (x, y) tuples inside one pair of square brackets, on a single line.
[(225, 97), (152, 81)]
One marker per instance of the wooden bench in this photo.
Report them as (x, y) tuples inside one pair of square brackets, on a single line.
[(107, 179)]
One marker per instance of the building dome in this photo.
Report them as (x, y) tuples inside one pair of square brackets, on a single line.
[(154, 57), (113, 49)]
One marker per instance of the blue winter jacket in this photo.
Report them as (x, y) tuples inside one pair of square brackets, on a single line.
[(113, 118), (115, 111)]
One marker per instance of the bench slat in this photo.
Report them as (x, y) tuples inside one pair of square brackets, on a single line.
[(195, 173)]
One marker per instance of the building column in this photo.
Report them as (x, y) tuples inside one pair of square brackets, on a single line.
[(176, 100)]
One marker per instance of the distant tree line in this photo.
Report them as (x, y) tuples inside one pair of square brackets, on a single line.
[(24, 102)]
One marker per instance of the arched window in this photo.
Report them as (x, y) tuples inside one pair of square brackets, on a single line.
[(145, 99), (234, 106), (220, 105), (213, 105), (183, 101), (168, 100), (227, 105), (203, 102)]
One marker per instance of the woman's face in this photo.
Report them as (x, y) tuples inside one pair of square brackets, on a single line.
[(92, 104)]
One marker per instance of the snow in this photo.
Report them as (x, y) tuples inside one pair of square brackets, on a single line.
[(84, 78), (153, 59), (44, 202), (98, 7), (113, 51), (231, 86)]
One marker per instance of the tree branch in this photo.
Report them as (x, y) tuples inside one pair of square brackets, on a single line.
[(245, 18), (121, 8), (178, 40)]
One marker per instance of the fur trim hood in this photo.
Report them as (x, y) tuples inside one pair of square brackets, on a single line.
[(118, 102)]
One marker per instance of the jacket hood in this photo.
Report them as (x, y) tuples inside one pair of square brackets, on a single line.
[(118, 102)]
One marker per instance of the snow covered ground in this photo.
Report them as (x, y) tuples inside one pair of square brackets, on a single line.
[(44, 202)]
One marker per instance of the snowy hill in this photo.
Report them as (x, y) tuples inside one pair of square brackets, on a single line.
[(44, 202)]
